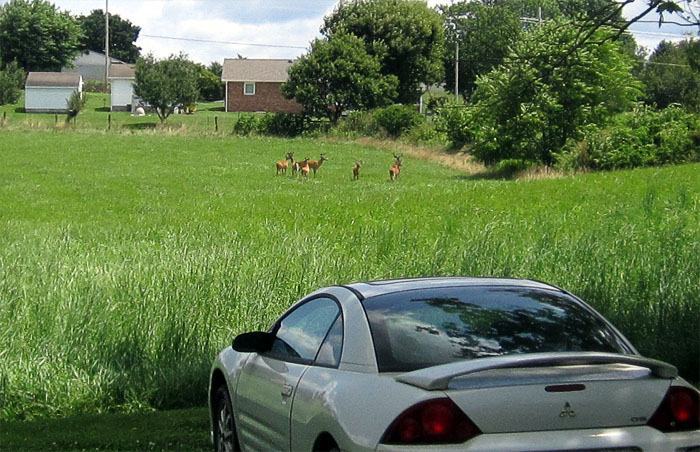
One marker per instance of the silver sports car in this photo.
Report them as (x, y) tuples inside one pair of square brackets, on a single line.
[(468, 364)]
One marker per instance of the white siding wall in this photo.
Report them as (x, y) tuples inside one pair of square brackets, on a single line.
[(47, 98), (122, 92)]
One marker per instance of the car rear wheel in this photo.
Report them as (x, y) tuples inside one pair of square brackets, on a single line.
[(225, 438)]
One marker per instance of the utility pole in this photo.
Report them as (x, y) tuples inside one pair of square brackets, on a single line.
[(106, 41), (457, 66), (453, 23)]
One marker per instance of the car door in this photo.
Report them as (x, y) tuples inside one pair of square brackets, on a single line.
[(268, 381)]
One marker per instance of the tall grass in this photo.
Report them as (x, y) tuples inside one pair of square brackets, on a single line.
[(129, 261)]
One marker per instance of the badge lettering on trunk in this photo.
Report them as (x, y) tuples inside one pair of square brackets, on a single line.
[(567, 411)]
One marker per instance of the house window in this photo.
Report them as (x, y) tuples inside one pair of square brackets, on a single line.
[(249, 88)]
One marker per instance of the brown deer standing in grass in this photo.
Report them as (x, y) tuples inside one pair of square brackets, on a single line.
[(284, 164), (315, 164), (296, 166), (305, 168), (356, 170), (396, 169)]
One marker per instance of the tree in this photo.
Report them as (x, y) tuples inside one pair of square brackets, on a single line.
[(209, 85), (11, 81), (672, 76), (486, 29), (37, 35), (406, 36), (76, 104), (338, 75), (166, 84), (122, 35), (545, 92), (215, 68), (485, 34)]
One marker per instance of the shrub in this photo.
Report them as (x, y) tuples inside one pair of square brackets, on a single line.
[(454, 120), (396, 119), (94, 86), (281, 124), (11, 80), (425, 132), (641, 137), (510, 167), (245, 125), (361, 122), (75, 104), (435, 103)]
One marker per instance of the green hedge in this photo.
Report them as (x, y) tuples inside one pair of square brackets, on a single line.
[(641, 137), (274, 124)]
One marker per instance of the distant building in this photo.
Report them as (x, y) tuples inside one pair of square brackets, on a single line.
[(91, 65), (121, 80), (255, 86), (48, 92)]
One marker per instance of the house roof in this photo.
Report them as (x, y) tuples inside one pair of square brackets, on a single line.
[(239, 70), (92, 58), (67, 79), (122, 71)]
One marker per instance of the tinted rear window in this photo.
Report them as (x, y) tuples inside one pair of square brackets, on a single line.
[(421, 328)]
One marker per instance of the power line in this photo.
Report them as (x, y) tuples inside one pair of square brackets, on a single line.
[(658, 33), (223, 42), (667, 64)]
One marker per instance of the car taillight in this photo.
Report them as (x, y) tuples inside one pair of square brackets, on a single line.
[(437, 421), (679, 411)]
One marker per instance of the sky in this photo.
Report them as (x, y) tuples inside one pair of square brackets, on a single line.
[(211, 30)]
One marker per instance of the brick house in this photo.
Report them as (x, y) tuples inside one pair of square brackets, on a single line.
[(254, 86)]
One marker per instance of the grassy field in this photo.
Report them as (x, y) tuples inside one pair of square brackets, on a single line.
[(208, 118), (129, 259), (177, 430)]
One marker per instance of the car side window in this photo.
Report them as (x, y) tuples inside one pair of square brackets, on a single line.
[(329, 354), (301, 332)]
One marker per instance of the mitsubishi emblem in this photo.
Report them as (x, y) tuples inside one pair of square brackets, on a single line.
[(567, 411)]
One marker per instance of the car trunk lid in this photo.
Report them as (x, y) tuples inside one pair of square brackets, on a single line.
[(505, 394)]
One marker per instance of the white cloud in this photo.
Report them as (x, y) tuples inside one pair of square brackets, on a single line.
[(271, 22)]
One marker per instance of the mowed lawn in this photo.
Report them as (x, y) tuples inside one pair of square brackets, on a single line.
[(177, 430), (129, 260)]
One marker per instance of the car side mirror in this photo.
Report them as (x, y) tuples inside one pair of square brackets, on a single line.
[(255, 342)]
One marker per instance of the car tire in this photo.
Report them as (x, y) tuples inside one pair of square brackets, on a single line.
[(225, 437)]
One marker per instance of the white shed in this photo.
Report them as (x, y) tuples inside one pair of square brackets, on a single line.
[(48, 92), (121, 79)]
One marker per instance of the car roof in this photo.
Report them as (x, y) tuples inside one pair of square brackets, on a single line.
[(369, 289)]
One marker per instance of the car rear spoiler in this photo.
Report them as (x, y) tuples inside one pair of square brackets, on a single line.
[(438, 377)]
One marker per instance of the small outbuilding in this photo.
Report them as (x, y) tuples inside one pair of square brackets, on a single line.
[(255, 86), (49, 92), (121, 79)]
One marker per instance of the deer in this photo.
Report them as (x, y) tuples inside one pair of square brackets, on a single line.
[(284, 164), (305, 168), (314, 165), (356, 170), (296, 166), (396, 169)]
